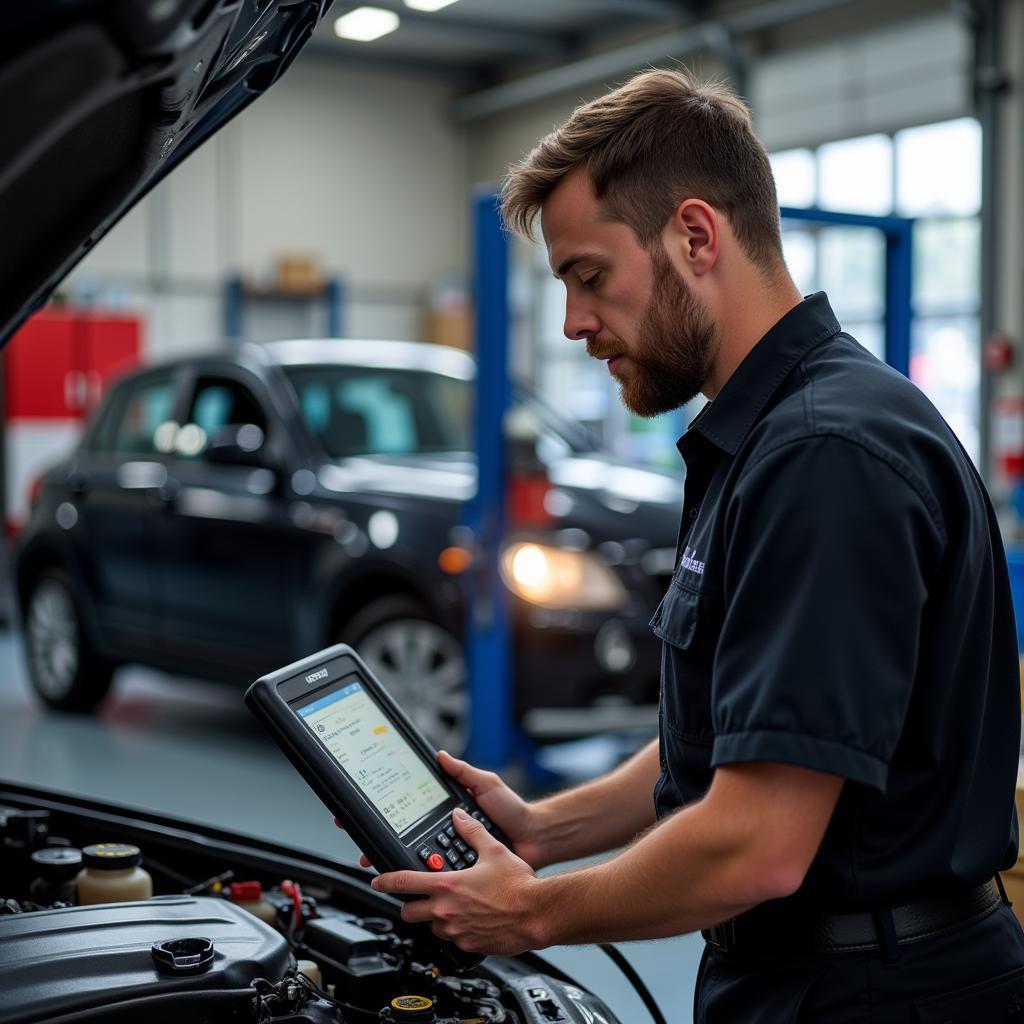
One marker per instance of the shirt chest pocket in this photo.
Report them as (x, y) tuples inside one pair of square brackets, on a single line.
[(688, 623)]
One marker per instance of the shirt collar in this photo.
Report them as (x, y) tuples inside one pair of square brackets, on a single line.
[(727, 420)]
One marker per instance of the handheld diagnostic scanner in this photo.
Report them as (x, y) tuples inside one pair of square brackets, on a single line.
[(370, 765)]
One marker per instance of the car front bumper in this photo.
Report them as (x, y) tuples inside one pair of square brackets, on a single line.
[(581, 673)]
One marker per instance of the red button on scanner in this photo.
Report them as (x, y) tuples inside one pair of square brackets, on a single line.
[(435, 862)]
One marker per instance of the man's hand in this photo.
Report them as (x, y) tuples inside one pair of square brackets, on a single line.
[(506, 808), (509, 811), (488, 908)]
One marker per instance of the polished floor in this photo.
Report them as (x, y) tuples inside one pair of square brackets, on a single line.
[(190, 749)]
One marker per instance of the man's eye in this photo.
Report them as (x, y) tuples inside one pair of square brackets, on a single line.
[(593, 281)]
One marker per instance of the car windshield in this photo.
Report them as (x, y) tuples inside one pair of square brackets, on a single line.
[(357, 410)]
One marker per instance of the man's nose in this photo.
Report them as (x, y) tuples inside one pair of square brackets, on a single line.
[(580, 324)]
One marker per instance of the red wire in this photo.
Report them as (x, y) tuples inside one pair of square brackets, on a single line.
[(293, 890)]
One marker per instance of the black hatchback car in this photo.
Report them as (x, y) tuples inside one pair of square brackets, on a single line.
[(228, 514)]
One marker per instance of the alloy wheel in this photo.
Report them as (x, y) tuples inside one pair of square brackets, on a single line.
[(53, 638), (422, 666)]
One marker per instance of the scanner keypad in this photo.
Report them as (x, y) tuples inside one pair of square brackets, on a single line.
[(446, 849)]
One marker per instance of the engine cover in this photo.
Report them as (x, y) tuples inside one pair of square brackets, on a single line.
[(96, 962)]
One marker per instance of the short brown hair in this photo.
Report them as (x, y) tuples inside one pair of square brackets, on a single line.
[(658, 139)]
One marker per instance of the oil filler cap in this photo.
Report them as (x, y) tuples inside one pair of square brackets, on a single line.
[(183, 956)]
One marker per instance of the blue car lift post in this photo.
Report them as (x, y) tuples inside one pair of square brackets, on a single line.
[(492, 732), (494, 738)]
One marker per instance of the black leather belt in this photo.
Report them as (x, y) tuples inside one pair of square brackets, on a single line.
[(779, 933)]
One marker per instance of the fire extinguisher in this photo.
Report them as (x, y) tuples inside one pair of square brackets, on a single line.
[(1008, 436)]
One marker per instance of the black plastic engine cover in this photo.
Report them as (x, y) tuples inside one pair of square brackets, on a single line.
[(96, 962)]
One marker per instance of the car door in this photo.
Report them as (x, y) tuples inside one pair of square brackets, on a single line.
[(115, 485), (223, 540)]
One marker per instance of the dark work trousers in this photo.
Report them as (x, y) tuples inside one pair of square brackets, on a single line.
[(974, 975)]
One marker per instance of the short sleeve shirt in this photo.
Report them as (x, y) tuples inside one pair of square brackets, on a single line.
[(841, 603)]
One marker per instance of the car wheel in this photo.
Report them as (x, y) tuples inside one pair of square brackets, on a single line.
[(62, 666), (419, 663)]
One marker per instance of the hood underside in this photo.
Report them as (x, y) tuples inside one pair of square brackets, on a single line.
[(101, 98)]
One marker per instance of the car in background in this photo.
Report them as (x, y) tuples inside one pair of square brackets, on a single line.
[(227, 514)]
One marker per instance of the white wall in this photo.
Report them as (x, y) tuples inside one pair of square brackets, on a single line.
[(362, 169)]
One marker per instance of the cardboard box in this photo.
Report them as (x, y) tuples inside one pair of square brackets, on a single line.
[(298, 273), (450, 327), (1014, 878)]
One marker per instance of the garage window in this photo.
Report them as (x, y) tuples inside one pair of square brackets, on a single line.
[(932, 173)]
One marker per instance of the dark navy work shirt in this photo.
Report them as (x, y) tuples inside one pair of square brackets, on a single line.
[(842, 603)]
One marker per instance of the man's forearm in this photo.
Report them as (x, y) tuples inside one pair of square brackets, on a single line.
[(679, 877), (751, 838), (600, 815)]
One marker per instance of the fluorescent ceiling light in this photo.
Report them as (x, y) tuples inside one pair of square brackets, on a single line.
[(365, 24), (428, 5)]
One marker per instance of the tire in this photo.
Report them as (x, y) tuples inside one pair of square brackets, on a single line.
[(419, 663), (64, 669)]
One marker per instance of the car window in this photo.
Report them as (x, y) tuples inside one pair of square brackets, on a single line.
[(356, 411), (131, 424), (365, 411), (217, 402)]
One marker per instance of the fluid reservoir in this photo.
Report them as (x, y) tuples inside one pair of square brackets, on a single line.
[(311, 971), (112, 874), (249, 896), (55, 869)]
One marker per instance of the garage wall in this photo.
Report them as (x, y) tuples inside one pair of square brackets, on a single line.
[(362, 168)]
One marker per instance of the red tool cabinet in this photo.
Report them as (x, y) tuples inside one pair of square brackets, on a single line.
[(56, 369)]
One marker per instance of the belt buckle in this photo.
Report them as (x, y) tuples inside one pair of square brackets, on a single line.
[(721, 937)]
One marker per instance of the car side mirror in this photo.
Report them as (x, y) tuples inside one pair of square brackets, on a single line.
[(238, 445)]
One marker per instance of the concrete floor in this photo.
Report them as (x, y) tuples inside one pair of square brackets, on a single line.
[(189, 749)]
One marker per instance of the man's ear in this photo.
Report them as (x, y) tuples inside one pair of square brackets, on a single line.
[(694, 233)]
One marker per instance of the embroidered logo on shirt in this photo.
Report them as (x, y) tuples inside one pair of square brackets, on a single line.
[(690, 562)]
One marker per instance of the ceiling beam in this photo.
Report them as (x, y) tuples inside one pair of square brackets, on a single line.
[(608, 66), (640, 9)]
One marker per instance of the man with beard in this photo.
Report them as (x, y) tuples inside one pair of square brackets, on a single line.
[(834, 775)]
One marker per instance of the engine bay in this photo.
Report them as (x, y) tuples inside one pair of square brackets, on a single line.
[(236, 929)]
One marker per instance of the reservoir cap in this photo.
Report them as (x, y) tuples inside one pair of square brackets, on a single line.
[(111, 856), (412, 1008)]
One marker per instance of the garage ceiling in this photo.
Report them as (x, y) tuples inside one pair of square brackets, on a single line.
[(480, 40), (505, 53)]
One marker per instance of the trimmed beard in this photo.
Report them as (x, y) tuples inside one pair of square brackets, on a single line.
[(675, 346)]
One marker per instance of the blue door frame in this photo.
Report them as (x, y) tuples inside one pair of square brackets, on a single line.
[(898, 232), (494, 737)]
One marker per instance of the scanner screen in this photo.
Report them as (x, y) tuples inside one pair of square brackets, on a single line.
[(374, 754)]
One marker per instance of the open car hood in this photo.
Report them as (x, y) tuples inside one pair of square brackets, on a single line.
[(94, 963), (99, 99)]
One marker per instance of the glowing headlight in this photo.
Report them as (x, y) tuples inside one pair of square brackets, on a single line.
[(556, 578)]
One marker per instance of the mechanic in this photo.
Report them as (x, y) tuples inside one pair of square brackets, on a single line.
[(834, 775)]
